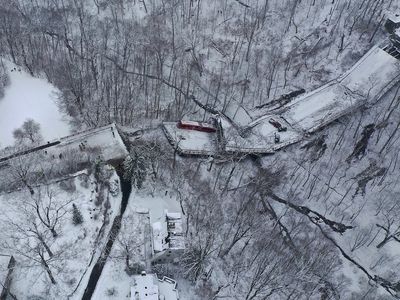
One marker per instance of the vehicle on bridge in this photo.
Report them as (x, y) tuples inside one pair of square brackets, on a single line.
[(198, 126)]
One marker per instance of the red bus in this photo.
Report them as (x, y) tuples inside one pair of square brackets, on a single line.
[(198, 126)]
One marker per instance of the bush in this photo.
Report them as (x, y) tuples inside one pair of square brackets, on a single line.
[(76, 215), (112, 292)]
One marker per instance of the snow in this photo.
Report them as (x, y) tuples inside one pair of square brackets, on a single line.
[(29, 97), (318, 107), (190, 141), (106, 139), (77, 247), (156, 204), (169, 227), (144, 287), (237, 114), (150, 287), (372, 73), (114, 276), (168, 289), (372, 76), (395, 18), (260, 136), (329, 184), (4, 261), (364, 83), (159, 234)]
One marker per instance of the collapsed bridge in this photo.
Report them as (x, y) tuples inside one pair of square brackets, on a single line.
[(361, 86)]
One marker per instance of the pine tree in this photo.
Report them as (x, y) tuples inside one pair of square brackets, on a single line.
[(77, 217)]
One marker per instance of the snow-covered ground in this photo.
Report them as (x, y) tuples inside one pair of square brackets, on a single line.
[(76, 248), (114, 282), (156, 202), (29, 97), (4, 263)]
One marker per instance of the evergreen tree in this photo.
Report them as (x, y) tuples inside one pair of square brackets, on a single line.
[(77, 217)]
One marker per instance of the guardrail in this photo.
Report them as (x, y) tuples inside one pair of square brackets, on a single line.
[(30, 150)]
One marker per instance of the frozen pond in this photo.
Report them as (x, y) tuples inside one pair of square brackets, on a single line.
[(28, 97)]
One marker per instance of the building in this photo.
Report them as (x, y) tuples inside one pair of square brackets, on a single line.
[(168, 239), (392, 26), (150, 287), (7, 263), (392, 23)]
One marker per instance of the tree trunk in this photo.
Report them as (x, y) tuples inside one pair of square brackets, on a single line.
[(46, 266)]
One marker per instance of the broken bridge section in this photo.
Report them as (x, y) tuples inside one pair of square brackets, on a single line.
[(362, 85)]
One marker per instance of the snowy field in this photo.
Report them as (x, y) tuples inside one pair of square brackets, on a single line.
[(29, 97)]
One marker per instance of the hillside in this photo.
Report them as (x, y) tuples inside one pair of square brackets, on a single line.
[(282, 180)]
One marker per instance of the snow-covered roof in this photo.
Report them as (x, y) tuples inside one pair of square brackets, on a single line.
[(145, 287), (173, 216), (159, 235), (395, 18), (149, 287), (167, 288), (168, 234)]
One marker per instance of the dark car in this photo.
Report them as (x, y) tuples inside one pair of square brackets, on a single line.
[(277, 125)]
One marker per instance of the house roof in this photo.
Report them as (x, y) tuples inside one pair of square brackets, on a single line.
[(395, 18), (168, 234), (145, 287), (149, 287)]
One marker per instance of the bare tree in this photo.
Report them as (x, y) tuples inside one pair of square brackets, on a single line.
[(48, 208), (29, 133), (129, 244)]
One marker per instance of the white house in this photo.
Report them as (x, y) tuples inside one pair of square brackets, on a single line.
[(150, 287), (168, 239)]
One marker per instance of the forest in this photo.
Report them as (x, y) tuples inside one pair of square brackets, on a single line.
[(316, 220)]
